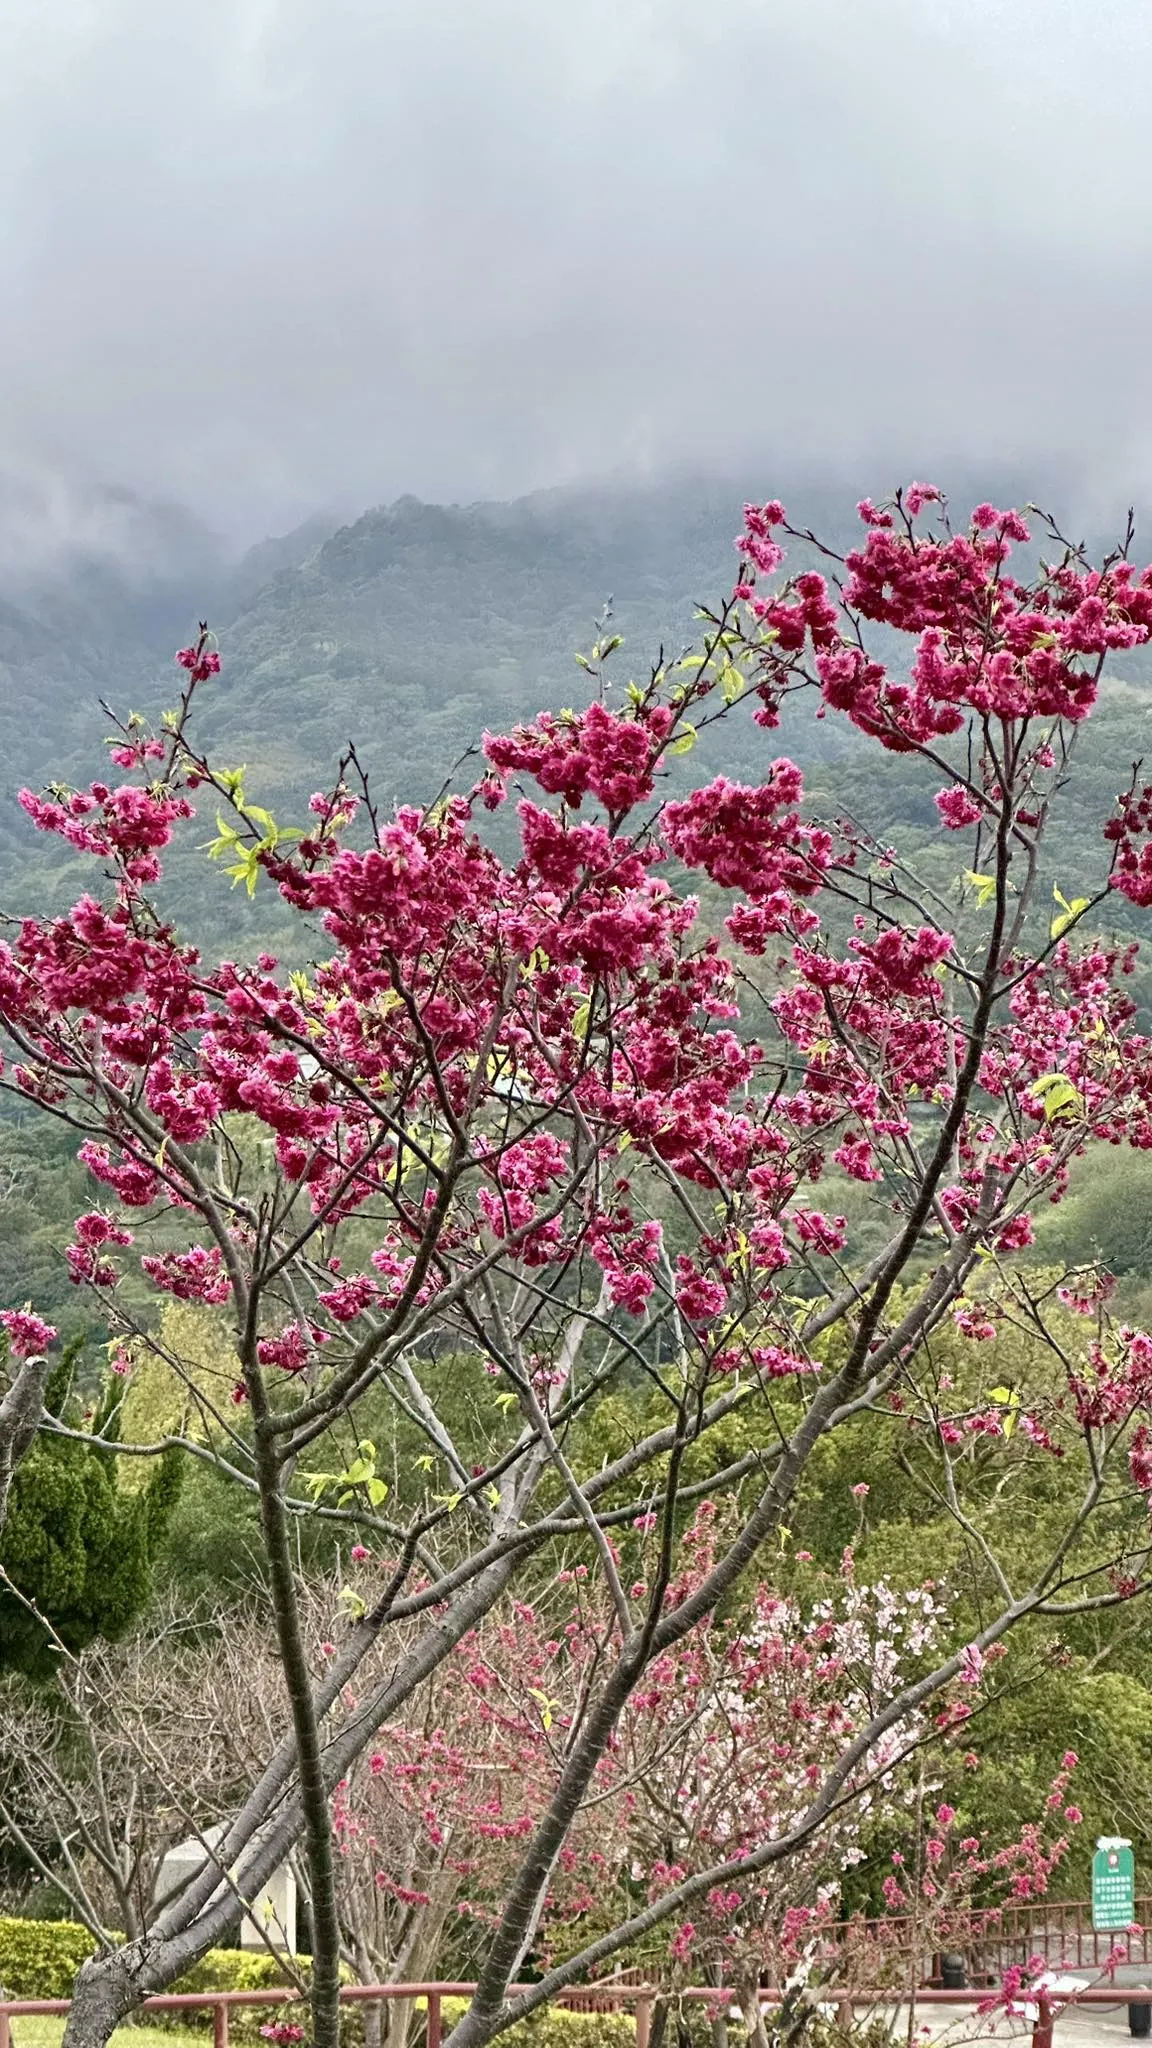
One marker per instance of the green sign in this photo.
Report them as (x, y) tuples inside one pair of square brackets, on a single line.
[(1113, 1883)]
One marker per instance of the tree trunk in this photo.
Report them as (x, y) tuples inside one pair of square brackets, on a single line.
[(659, 2026), (314, 1804), (717, 2018), (366, 1971), (107, 1988), (416, 1958), (753, 2017), (20, 1413)]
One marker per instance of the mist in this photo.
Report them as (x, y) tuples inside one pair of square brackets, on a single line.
[(269, 257)]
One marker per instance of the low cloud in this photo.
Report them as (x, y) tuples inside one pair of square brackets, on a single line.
[(263, 255)]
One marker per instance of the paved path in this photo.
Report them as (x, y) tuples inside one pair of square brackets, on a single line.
[(1083, 2026)]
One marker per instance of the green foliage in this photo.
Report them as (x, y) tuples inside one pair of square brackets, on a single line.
[(40, 1958), (32, 2031), (77, 1548), (238, 1969), (1108, 1213), (42, 1189), (554, 2027)]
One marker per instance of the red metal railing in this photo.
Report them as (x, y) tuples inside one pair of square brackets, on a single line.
[(1058, 1930), (642, 1996)]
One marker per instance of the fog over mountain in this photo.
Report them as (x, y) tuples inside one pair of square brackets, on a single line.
[(395, 339), (269, 257)]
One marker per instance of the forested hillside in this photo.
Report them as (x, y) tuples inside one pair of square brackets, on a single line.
[(411, 631), (416, 627)]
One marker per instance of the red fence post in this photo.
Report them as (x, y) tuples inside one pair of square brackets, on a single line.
[(435, 2030), (1042, 2031), (643, 2022), (220, 2025), (5, 2028)]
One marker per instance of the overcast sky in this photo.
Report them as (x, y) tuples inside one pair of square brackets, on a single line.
[(269, 255)]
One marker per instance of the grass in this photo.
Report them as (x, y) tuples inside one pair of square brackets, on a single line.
[(34, 2031)]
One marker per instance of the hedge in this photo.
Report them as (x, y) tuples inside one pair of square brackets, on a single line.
[(553, 2026), (239, 1969), (40, 1958), (234, 1970)]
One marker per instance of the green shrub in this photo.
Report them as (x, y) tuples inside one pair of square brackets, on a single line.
[(554, 2027), (238, 1969), (40, 1958)]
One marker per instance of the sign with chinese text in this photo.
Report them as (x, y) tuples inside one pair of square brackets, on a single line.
[(1113, 1883)]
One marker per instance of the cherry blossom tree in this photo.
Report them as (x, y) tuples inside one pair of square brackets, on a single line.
[(722, 1746), (724, 1743), (515, 1115)]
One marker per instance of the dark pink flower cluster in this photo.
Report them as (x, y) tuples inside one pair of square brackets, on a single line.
[(1110, 1388), (128, 825), (88, 1260), (294, 1348), (199, 661), (627, 1255), (28, 1334), (592, 753), (1130, 833), (958, 807), (349, 1298), (194, 1275), (986, 643), (699, 1299), (751, 838)]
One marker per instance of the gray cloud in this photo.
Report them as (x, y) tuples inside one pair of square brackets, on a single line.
[(267, 254)]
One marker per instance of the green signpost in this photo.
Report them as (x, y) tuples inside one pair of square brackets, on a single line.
[(1113, 1883)]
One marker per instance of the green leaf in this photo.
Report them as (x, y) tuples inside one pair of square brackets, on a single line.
[(686, 741), (1070, 912), (581, 1019), (731, 683), (984, 885), (547, 1706), (1061, 1099), (229, 837), (1007, 1397)]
